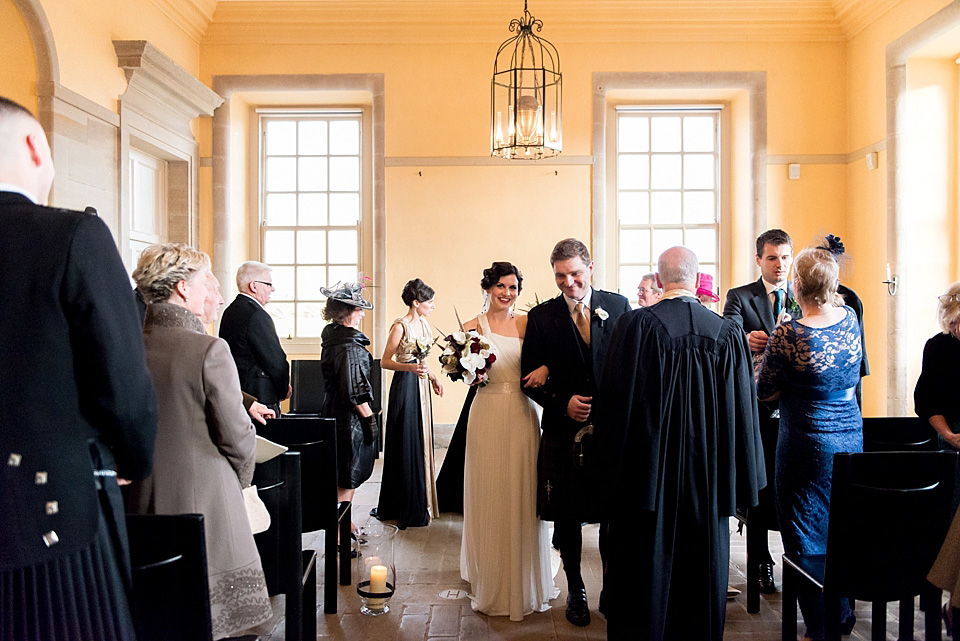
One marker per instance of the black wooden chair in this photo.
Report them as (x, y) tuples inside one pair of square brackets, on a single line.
[(889, 514), (171, 598), (288, 569), (306, 379), (898, 434), (316, 441)]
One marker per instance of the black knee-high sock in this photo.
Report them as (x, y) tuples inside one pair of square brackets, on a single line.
[(570, 537)]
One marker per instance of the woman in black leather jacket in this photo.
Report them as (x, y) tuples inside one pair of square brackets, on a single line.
[(346, 364)]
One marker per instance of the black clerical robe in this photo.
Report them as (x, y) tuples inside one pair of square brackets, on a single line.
[(680, 438)]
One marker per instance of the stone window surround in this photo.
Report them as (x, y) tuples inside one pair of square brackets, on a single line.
[(224, 160)]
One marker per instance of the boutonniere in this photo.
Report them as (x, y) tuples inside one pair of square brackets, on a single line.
[(793, 307), (602, 314)]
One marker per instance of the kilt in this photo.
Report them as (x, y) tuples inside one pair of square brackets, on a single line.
[(563, 489)]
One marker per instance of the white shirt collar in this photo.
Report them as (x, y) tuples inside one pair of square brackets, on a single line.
[(19, 190), (772, 288), (571, 303), (253, 299)]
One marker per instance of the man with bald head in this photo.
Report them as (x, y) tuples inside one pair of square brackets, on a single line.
[(78, 406), (678, 431)]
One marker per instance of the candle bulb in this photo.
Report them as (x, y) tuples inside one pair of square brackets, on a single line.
[(378, 582), (888, 273)]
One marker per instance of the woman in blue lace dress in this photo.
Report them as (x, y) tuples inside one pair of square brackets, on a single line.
[(813, 366)]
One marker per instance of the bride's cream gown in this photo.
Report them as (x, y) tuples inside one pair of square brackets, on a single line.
[(505, 553)]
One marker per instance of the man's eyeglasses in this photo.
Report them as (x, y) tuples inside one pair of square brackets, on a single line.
[(263, 282)]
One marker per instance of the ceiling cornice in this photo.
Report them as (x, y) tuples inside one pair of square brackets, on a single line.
[(431, 21), (856, 15), (193, 17)]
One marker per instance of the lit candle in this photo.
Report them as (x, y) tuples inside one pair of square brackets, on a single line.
[(888, 273), (378, 582)]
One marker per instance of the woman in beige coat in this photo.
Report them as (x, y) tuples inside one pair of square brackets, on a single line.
[(205, 442)]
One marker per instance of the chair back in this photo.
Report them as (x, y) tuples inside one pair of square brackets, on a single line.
[(171, 597), (316, 441), (306, 378), (898, 434), (278, 485), (889, 514)]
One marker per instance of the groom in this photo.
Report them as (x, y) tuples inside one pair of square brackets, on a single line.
[(569, 335)]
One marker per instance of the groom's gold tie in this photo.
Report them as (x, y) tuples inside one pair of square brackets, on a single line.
[(582, 322)]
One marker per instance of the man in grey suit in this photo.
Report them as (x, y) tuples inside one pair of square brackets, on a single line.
[(758, 307)]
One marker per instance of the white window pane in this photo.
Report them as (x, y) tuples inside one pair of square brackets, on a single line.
[(278, 247), (699, 207), (344, 137), (698, 133), (311, 246), (313, 209), (699, 171), (283, 283), (281, 174), (281, 137), (343, 246), (343, 274), (665, 207), (665, 172), (312, 174), (703, 242), (633, 172), (665, 133), (283, 318), (633, 207), (310, 320), (633, 133), (664, 239), (312, 137), (281, 209), (309, 281), (345, 174), (344, 209), (634, 246), (630, 276)]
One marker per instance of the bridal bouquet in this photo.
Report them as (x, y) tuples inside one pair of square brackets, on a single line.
[(468, 356), (419, 348)]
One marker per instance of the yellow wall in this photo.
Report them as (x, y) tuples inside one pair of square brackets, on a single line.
[(84, 33), (18, 73), (866, 212)]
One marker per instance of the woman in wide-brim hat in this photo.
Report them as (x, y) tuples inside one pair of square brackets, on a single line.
[(346, 363)]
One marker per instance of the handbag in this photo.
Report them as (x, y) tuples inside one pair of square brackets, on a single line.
[(257, 512)]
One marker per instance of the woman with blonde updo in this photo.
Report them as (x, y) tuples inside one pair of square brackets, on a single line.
[(813, 366), (205, 442)]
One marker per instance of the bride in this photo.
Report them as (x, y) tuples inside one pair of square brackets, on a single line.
[(505, 552)]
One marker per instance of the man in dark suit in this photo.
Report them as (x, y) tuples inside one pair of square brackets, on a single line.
[(252, 336), (569, 335), (78, 406), (758, 308)]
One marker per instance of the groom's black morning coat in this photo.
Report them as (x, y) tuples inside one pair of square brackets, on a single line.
[(552, 339)]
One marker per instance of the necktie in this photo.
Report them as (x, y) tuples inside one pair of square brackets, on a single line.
[(582, 322), (778, 296)]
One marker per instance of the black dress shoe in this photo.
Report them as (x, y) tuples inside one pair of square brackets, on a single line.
[(767, 586), (578, 613)]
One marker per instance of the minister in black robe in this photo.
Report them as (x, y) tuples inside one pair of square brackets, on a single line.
[(679, 435)]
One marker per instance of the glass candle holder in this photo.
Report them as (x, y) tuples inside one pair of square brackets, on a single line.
[(376, 572)]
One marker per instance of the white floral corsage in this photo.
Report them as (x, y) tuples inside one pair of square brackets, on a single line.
[(601, 313)]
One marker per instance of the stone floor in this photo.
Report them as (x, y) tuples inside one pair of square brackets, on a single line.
[(427, 561)]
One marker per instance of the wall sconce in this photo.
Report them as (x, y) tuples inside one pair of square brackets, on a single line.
[(891, 282)]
